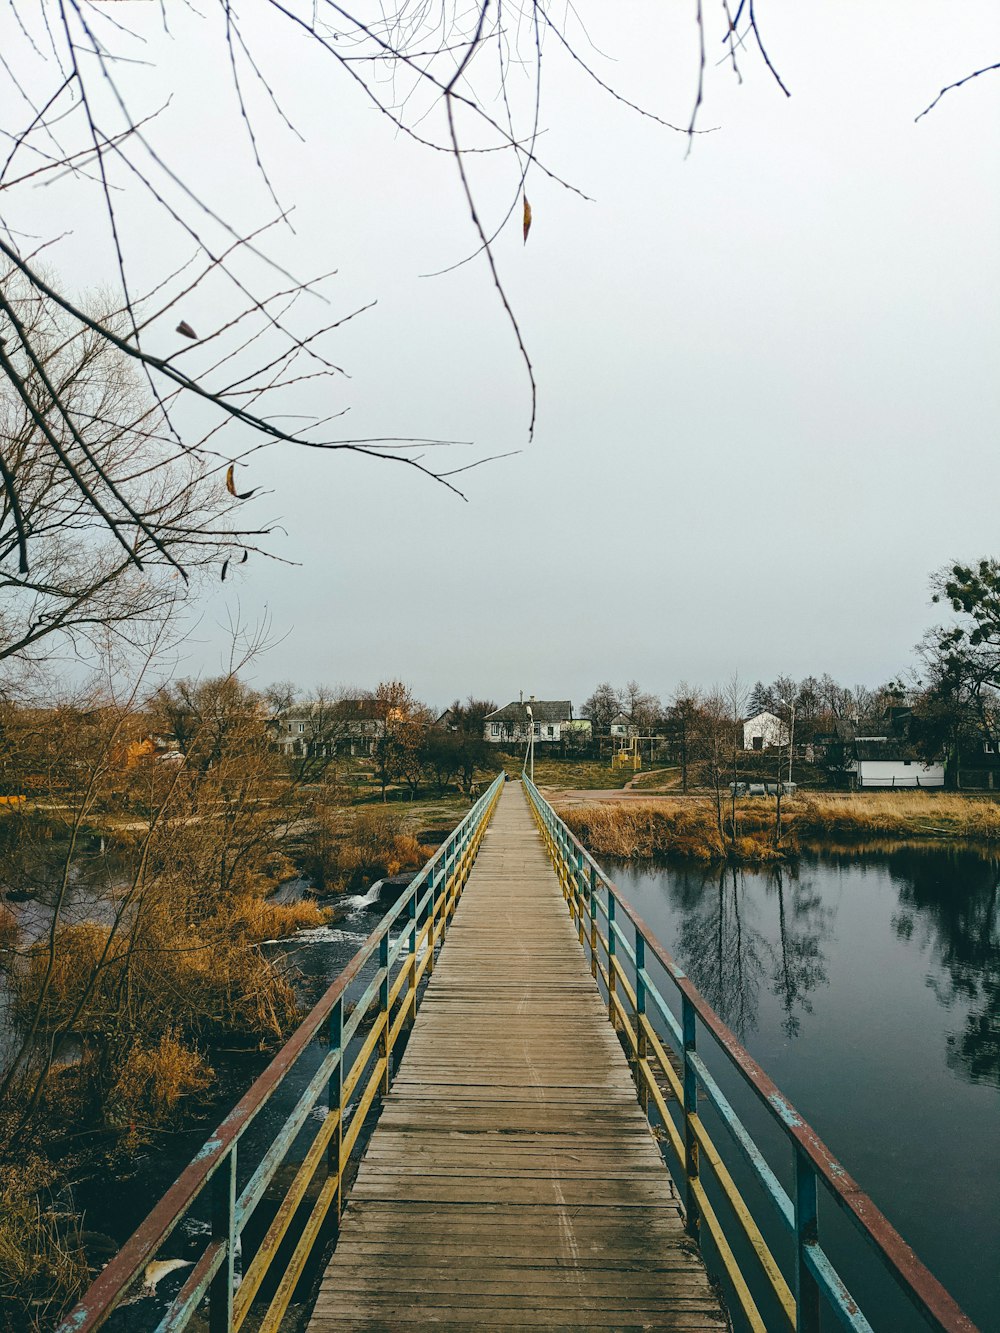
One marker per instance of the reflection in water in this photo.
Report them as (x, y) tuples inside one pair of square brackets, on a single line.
[(722, 944), (867, 984), (803, 923), (951, 903), (738, 930)]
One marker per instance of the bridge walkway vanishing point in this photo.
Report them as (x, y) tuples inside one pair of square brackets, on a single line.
[(512, 1180)]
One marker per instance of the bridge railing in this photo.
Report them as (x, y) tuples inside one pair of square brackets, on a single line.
[(660, 1015), (361, 1016)]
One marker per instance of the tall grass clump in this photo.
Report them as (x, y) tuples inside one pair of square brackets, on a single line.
[(42, 1264), (685, 828), (356, 846)]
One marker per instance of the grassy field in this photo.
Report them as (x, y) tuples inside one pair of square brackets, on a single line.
[(658, 779), (584, 774)]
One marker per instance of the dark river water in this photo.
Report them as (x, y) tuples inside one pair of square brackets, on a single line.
[(868, 987)]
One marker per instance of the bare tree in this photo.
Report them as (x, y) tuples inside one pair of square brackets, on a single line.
[(77, 410), (683, 715)]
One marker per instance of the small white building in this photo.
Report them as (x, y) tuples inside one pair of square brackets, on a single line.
[(884, 764), (764, 731)]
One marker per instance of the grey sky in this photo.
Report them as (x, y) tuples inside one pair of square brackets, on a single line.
[(768, 387)]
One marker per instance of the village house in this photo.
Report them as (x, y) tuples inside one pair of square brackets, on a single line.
[(621, 725), (347, 726), (763, 731), (513, 723)]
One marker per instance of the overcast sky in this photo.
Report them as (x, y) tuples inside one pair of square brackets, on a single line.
[(767, 370)]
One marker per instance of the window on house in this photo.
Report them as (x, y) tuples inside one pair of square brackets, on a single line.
[(538, 730), (302, 727), (988, 747), (550, 731), (494, 728), (907, 763)]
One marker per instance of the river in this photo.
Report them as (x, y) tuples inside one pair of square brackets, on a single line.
[(868, 987)]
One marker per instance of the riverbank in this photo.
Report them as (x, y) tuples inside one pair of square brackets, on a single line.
[(690, 827)]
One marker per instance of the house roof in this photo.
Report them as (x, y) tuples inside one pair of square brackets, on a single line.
[(542, 710), (759, 717), (888, 752)]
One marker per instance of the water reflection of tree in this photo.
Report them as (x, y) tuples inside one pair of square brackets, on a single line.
[(720, 948), (955, 898), (729, 956), (803, 922)]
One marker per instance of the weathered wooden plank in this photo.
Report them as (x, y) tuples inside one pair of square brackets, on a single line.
[(512, 1181)]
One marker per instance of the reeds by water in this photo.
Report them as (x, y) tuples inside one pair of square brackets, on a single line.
[(689, 827)]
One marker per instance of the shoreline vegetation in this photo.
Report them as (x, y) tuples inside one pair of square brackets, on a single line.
[(689, 828)]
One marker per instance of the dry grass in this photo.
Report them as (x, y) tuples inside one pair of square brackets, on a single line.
[(152, 1082), (42, 1265), (8, 929), (261, 919), (688, 828), (910, 814), (356, 846)]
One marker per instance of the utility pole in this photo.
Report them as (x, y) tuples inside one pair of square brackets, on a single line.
[(531, 743), (791, 741)]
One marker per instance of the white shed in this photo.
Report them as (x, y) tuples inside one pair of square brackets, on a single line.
[(888, 765)]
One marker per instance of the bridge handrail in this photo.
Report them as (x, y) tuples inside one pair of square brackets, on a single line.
[(815, 1276), (427, 917)]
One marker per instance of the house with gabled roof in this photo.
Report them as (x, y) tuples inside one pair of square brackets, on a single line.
[(548, 718)]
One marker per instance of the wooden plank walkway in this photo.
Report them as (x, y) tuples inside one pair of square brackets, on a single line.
[(512, 1180)]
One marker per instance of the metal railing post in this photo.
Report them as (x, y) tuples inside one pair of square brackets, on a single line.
[(806, 1228), (335, 1103), (592, 893), (220, 1293), (612, 979), (431, 922), (411, 913), (640, 1021), (578, 892), (689, 1029), (383, 1006)]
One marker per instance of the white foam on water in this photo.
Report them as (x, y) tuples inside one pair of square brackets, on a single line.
[(359, 901), (321, 935)]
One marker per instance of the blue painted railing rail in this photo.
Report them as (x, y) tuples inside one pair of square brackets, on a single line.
[(388, 1003), (674, 1083)]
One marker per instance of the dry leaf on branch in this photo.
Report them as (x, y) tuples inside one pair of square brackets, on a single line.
[(231, 486)]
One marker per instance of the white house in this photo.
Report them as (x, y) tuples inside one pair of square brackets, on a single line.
[(764, 731), (621, 725), (511, 723)]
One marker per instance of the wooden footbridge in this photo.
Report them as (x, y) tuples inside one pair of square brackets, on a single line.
[(493, 1152)]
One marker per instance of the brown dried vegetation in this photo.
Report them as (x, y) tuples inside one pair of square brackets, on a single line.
[(689, 828)]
